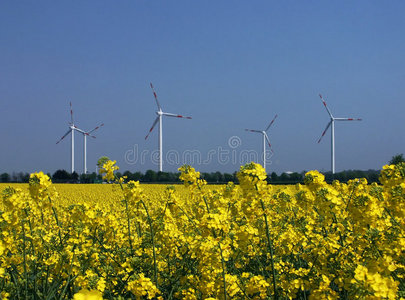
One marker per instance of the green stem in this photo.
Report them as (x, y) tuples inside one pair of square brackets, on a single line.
[(223, 269), (392, 217), (69, 279), (220, 249), (25, 261), (153, 243), (270, 245), (351, 196), (56, 219), (128, 218), (129, 227), (189, 218)]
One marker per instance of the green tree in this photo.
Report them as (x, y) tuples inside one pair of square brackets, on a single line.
[(5, 177), (61, 176), (218, 177), (75, 177), (150, 176), (137, 176), (273, 176), (101, 161), (228, 177), (296, 177), (284, 177), (396, 159), (163, 177)]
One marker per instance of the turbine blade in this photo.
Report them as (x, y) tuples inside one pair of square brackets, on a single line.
[(89, 135), (101, 125), (271, 123), (176, 116), (253, 130), (348, 119), (71, 113), (267, 139), (63, 136), (326, 129), (324, 103), (78, 129), (153, 126), (156, 98)]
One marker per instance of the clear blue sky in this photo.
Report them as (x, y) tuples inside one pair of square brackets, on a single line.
[(229, 64)]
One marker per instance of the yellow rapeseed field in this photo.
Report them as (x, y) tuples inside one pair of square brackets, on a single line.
[(126, 240)]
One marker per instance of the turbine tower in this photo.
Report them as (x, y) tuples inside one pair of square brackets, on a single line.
[(159, 119), (72, 128), (265, 138), (332, 125), (85, 135)]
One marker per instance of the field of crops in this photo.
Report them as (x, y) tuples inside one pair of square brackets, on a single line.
[(247, 241)]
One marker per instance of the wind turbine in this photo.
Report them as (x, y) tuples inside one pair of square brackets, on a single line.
[(85, 135), (332, 125), (159, 119), (72, 128), (265, 138)]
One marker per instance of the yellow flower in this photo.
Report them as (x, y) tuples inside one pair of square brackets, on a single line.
[(143, 286), (133, 191), (392, 174), (189, 175), (253, 170), (108, 169), (252, 177), (88, 295), (38, 185), (327, 240), (4, 295), (314, 178)]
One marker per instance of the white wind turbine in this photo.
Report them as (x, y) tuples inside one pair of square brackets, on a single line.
[(265, 138), (72, 128), (159, 119), (85, 135), (332, 125)]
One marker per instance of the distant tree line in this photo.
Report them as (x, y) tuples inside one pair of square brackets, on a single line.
[(14, 177), (150, 176), (60, 176)]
